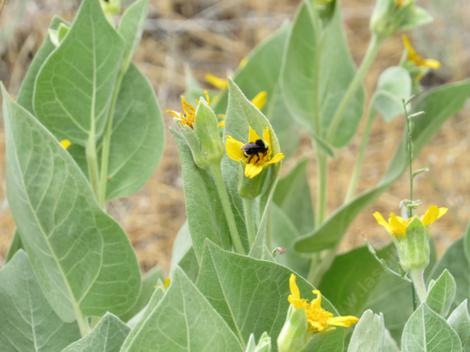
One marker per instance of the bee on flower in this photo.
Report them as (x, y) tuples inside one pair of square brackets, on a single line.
[(255, 155)]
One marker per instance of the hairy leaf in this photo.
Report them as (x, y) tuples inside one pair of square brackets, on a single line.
[(82, 258), (441, 293)]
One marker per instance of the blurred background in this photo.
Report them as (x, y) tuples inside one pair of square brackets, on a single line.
[(213, 36)]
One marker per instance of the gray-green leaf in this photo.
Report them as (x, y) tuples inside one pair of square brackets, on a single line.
[(393, 86), (137, 138), (107, 336), (427, 331), (74, 85), (441, 293), (459, 319), (82, 258), (182, 321), (27, 321)]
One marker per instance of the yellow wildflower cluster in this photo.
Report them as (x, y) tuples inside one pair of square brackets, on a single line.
[(318, 318)]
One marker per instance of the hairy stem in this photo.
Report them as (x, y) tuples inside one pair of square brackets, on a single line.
[(322, 183), (227, 208), (248, 209), (107, 141), (417, 276)]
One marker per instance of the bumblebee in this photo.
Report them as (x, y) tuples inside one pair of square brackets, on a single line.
[(255, 149)]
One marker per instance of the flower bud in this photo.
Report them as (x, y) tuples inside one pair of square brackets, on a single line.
[(392, 16), (204, 139), (413, 249), (294, 334)]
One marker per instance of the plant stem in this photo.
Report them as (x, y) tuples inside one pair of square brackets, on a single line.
[(107, 141), (369, 57), (227, 208), (248, 209), (92, 162), (410, 149), (322, 180), (417, 276), (82, 322), (360, 156)]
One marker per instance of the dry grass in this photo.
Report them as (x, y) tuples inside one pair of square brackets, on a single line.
[(216, 35)]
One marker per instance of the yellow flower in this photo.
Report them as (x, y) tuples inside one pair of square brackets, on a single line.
[(166, 282), (318, 318), (260, 99), (216, 82), (417, 59), (65, 143), (397, 226), (188, 115), (255, 155)]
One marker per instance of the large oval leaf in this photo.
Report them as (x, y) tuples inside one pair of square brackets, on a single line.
[(74, 86), (82, 258)]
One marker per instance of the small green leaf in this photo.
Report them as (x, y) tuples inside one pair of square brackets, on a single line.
[(182, 321), (427, 331), (251, 294), (459, 320), (74, 85), (293, 196), (137, 138), (441, 293), (82, 258), (27, 321), (393, 86), (107, 336), (439, 104)]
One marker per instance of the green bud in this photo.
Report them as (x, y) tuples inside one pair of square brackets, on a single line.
[(204, 139), (294, 334), (264, 343), (413, 249), (392, 16), (251, 188)]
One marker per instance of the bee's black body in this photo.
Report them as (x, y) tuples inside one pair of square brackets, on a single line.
[(255, 149)]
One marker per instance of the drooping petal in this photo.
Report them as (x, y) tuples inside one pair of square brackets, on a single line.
[(294, 289), (432, 214), (260, 99), (215, 81), (381, 221), (275, 159), (345, 322), (234, 149), (252, 135), (432, 64), (252, 170)]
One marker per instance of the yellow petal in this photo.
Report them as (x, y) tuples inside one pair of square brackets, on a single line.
[(260, 99), (215, 81), (173, 113), (294, 289), (243, 63), (432, 214), (207, 97), (432, 64), (252, 170), (409, 48), (234, 149), (221, 123), (277, 158), (65, 143), (398, 225), (345, 321), (267, 136), (316, 302), (252, 135), (381, 221), (166, 282), (187, 107)]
